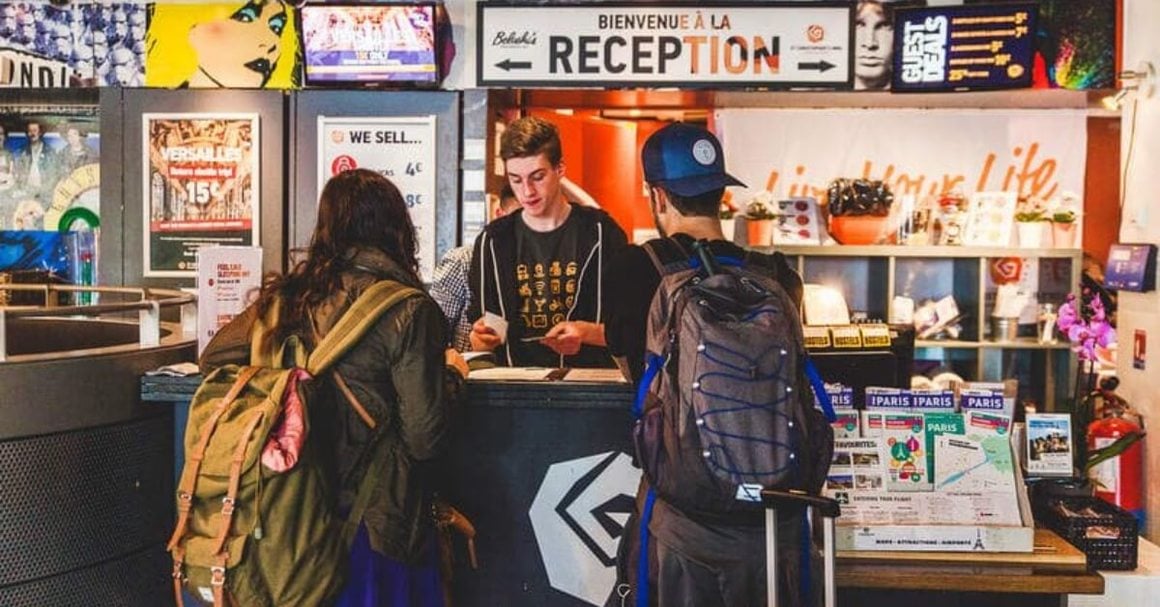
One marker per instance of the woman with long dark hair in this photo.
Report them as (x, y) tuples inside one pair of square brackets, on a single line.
[(400, 373)]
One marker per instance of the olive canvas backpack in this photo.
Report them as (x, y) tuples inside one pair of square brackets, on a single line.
[(255, 525)]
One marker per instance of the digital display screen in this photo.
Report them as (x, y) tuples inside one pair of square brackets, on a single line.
[(964, 47), (369, 43)]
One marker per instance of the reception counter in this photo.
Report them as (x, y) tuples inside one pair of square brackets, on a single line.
[(544, 471), (84, 465)]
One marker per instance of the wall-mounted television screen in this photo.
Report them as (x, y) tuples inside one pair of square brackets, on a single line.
[(369, 43)]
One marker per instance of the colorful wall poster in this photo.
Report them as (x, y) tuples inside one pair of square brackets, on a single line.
[(402, 149), (1075, 46), (200, 187), (81, 44), (49, 168), (228, 280), (222, 45)]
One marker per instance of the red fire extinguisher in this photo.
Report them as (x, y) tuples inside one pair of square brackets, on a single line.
[(1118, 479)]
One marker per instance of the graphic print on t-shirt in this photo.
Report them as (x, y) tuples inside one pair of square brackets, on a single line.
[(546, 294), (547, 276)]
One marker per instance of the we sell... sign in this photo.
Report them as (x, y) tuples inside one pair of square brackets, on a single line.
[(775, 46)]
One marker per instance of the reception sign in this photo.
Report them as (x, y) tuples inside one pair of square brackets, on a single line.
[(200, 187), (796, 153), (777, 45), (402, 149)]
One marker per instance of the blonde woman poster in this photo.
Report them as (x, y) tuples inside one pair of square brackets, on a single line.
[(250, 44)]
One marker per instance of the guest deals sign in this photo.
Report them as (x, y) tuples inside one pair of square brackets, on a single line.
[(776, 45)]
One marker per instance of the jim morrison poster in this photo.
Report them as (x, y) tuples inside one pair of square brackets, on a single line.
[(200, 187)]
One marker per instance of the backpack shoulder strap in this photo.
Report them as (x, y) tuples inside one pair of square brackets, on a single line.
[(356, 321), (664, 269)]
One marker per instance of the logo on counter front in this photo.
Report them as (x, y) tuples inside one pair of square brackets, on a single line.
[(578, 516)]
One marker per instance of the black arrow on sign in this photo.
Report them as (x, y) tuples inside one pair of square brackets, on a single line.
[(821, 66), (508, 65)]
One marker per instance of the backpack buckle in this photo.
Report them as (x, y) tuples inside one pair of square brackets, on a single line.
[(184, 501), (217, 576), (227, 506), (178, 571)]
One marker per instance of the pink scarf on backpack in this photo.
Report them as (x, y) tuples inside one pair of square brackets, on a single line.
[(286, 439)]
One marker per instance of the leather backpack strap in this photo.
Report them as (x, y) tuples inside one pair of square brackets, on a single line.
[(193, 464), (353, 400), (189, 480), (229, 502)]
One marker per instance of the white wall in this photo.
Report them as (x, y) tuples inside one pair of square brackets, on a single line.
[(462, 14), (1141, 223)]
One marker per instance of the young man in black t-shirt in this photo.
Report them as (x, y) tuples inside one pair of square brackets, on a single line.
[(694, 563), (541, 269)]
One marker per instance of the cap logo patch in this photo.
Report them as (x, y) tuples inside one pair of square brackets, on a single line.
[(704, 152)]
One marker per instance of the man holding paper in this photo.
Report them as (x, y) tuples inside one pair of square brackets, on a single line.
[(537, 274)]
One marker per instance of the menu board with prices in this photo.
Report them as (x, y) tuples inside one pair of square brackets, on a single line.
[(964, 47)]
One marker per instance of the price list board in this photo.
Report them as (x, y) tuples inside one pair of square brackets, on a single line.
[(964, 47)]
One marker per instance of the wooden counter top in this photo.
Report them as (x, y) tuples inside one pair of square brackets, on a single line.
[(1055, 567)]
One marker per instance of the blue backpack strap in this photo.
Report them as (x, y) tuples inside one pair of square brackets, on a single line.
[(642, 587), (695, 262), (820, 389), (653, 364)]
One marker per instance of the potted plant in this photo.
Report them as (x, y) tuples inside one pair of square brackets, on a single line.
[(1030, 222), (860, 212), (726, 214), (1063, 228), (759, 218)]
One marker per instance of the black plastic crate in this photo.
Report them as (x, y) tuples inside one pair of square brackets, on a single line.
[(1105, 533)]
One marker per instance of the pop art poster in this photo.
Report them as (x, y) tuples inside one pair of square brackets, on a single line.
[(76, 45), (250, 44), (50, 172), (402, 149), (200, 187)]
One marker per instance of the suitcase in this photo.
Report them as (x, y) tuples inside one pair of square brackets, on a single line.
[(795, 500)]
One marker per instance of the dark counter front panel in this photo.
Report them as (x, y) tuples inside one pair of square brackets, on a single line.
[(544, 471), (85, 514)]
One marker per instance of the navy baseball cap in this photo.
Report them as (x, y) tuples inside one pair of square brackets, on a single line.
[(686, 160)]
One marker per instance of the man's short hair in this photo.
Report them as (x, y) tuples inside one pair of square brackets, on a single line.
[(531, 136), (706, 204)]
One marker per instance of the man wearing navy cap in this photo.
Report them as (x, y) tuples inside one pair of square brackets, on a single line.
[(691, 563)]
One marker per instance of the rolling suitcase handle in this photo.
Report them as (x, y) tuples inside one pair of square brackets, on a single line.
[(795, 500)]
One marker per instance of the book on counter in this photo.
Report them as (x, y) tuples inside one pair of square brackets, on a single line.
[(540, 374)]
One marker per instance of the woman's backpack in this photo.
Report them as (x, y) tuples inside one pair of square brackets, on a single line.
[(255, 522)]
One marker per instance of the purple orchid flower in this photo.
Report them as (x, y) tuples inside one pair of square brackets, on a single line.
[(1086, 327)]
